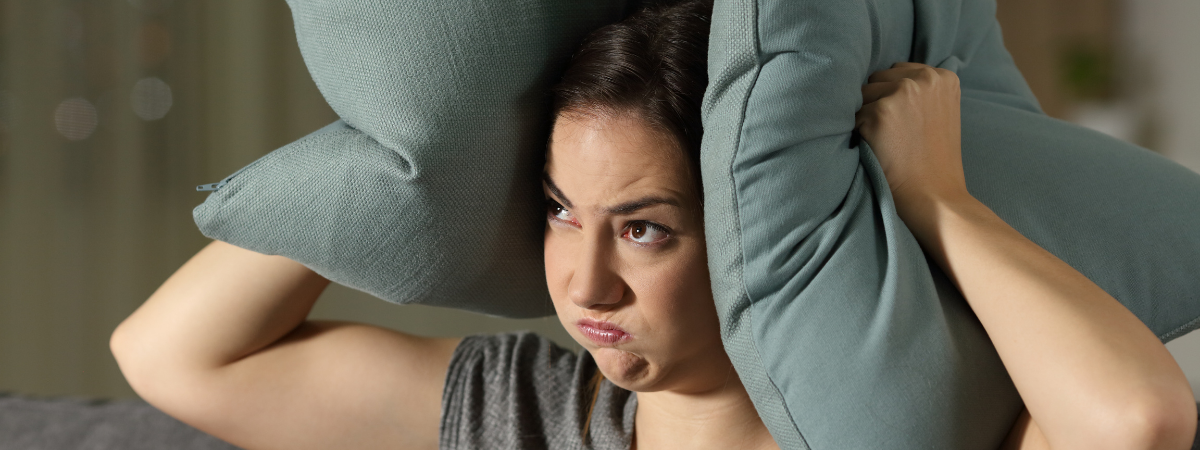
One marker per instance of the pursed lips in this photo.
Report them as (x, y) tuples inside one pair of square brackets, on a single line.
[(605, 334)]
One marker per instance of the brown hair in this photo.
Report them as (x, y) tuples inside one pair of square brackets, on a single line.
[(652, 65)]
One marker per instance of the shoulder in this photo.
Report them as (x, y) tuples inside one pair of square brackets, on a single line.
[(522, 390), (487, 371), (514, 354)]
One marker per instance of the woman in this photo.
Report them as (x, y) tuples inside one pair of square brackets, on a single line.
[(224, 345)]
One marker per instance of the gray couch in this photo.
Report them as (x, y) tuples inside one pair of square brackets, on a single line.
[(28, 423), (78, 424)]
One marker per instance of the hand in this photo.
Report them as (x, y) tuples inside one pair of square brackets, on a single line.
[(910, 116)]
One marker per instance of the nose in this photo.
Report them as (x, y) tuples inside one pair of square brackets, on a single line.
[(594, 283)]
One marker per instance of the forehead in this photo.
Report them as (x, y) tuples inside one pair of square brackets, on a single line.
[(599, 159)]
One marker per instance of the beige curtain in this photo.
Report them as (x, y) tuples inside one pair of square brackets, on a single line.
[(111, 111)]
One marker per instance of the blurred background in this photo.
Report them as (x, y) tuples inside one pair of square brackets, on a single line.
[(112, 111)]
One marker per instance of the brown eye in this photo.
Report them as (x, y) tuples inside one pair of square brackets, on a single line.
[(646, 233), (559, 213), (637, 231)]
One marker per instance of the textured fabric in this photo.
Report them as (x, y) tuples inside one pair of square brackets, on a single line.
[(521, 391), (427, 190), (846, 336), (72, 424)]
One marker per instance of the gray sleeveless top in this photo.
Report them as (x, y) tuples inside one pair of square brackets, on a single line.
[(522, 391)]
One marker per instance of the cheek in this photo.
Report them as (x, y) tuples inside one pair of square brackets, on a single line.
[(555, 256), (676, 295), (677, 318)]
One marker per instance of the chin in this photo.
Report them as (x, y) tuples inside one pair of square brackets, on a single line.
[(627, 370)]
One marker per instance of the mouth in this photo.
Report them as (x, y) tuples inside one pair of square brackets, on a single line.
[(603, 333)]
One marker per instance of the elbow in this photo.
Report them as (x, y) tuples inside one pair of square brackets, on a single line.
[(117, 342), (123, 344), (1165, 422), (1170, 423), (119, 346), (139, 358)]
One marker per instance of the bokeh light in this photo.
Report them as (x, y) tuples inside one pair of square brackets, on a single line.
[(151, 98), (75, 118)]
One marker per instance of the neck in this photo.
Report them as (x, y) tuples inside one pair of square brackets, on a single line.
[(718, 418)]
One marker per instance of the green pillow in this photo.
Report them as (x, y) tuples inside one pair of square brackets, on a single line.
[(428, 188), (845, 336)]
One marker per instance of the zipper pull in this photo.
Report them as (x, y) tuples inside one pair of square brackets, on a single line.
[(211, 186)]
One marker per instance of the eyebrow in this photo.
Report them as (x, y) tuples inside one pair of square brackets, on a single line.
[(631, 207), (556, 191), (621, 209)]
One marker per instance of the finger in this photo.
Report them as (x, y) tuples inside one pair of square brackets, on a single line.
[(865, 118), (874, 91), (896, 73)]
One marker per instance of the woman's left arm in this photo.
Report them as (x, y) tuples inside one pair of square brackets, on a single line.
[(1090, 373)]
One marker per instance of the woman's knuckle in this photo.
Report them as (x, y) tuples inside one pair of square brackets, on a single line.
[(948, 75), (928, 73), (886, 108)]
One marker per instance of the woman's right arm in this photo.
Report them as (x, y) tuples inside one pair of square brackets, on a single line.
[(224, 346)]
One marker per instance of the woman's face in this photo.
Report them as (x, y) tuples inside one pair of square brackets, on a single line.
[(625, 256)]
